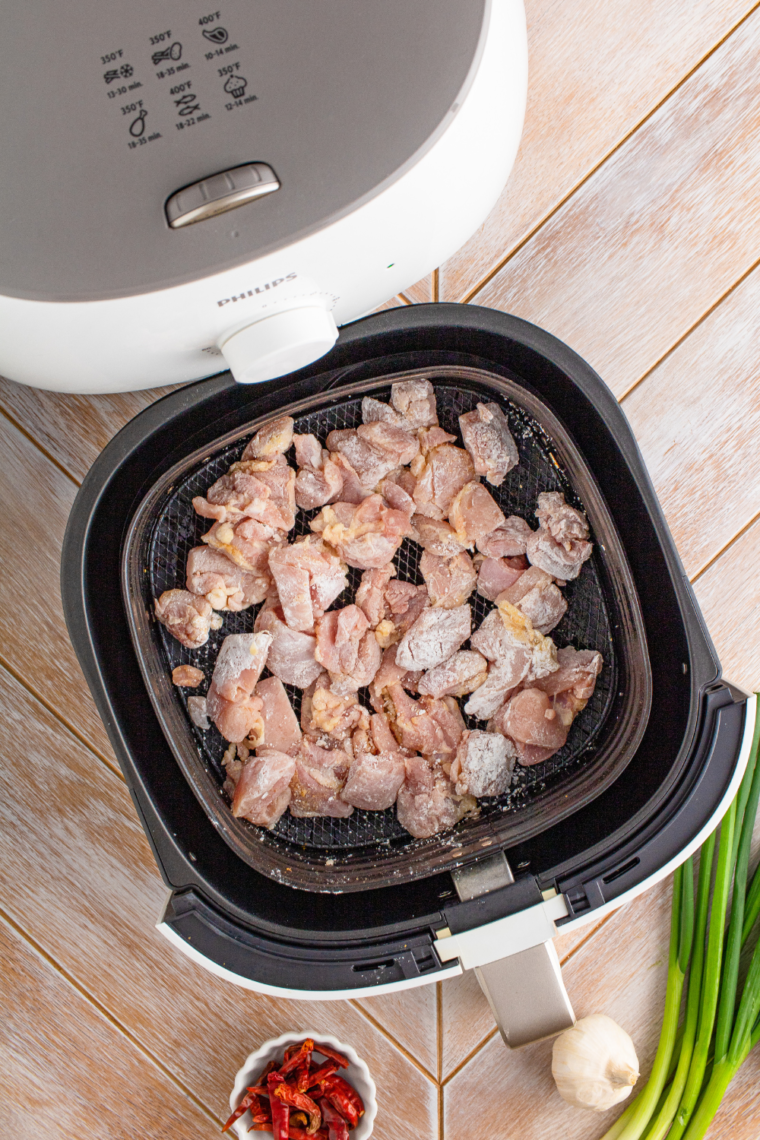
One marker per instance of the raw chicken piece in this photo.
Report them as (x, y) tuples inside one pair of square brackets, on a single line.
[(461, 674), (187, 616), (390, 674), (495, 576), (198, 713), (352, 490), (187, 676), (375, 411), (274, 438), (263, 793), (437, 536), (483, 764), (536, 595), (280, 478), (239, 664), (370, 596), (489, 441), (246, 543), (426, 802), (560, 545), (398, 444), (433, 727), (378, 769), (440, 476), (366, 536), (369, 463), (319, 479), (572, 685), (474, 514), (396, 497), (224, 585), (240, 492), (435, 636), (281, 728), (327, 714), (347, 648), (508, 540), (406, 602), (415, 400), (236, 720), (308, 578), (318, 781), (449, 581), (518, 652), (432, 437), (291, 655), (529, 718)]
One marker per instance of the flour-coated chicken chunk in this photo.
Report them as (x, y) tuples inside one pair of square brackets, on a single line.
[(273, 439), (225, 585), (415, 400), (474, 513), (449, 581), (434, 637), (186, 615), (291, 655), (427, 801), (281, 728), (461, 674), (483, 764), (262, 793)]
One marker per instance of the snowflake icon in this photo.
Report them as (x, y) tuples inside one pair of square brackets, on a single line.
[(127, 70)]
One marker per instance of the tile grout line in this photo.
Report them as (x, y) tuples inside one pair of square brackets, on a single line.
[(389, 1036), (692, 328), (725, 548), (439, 1029), (18, 677), (469, 294), (36, 443), (434, 286), (473, 1052), (105, 1014), (405, 299)]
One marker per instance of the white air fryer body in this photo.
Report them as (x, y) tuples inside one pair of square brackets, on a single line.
[(99, 293)]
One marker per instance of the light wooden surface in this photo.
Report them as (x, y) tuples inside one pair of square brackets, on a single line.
[(629, 228)]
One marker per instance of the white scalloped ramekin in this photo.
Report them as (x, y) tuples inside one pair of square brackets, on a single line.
[(357, 1074)]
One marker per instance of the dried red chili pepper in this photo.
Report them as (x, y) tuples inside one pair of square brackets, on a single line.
[(298, 1054), (318, 1076), (295, 1099), (250, 1100), (301, 1134), (337, 1129), (326, 1051), (280, 1110), (346, 1099)]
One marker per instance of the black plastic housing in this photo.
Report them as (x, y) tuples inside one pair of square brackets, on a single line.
[(264, 931)]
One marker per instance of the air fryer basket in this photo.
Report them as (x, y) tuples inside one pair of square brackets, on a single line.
[(371, 849)]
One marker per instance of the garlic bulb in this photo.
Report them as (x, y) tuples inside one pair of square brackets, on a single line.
[(594, 1064)]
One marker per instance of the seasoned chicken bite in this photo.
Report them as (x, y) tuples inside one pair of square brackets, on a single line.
[(239, 664), (489, 441), (572, 685), (186, 615), (347, 648), (437, 536), (241, 493), (352, 490), (415, 400), (365, 536), (433, 727), (369, 462), (432, 437), (325, 713), (518, 653), (319, 778), (508, 540), (378, 769), (370, 596), (441, 475), (435, 636), (291, 655), (529, 718), (309, 578), (461, 674), (535, 594), (280, 478), (495, 575), (427, 802), (246, 543), (262, 793), (281, 728), (560, 545), (319, 479), (273, 439), (474, 514), (375, 411), (399, 444), (449, 581), (390, 673), (224, 585), (396, 497), (483, 764), (187, 676)]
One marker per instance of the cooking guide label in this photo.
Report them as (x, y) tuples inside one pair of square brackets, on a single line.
[(175, 78)]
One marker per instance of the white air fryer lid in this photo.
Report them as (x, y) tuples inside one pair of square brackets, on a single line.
[(110, 108)]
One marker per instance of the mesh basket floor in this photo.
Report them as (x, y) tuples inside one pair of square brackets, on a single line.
[(586, 625)]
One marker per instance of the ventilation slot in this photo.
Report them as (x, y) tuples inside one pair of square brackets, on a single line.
[(620, 871), (374, 967)]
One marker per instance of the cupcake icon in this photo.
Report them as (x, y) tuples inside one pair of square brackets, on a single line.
[(235, 86)]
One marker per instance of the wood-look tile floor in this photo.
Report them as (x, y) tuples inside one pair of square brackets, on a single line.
[(630, 229)]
